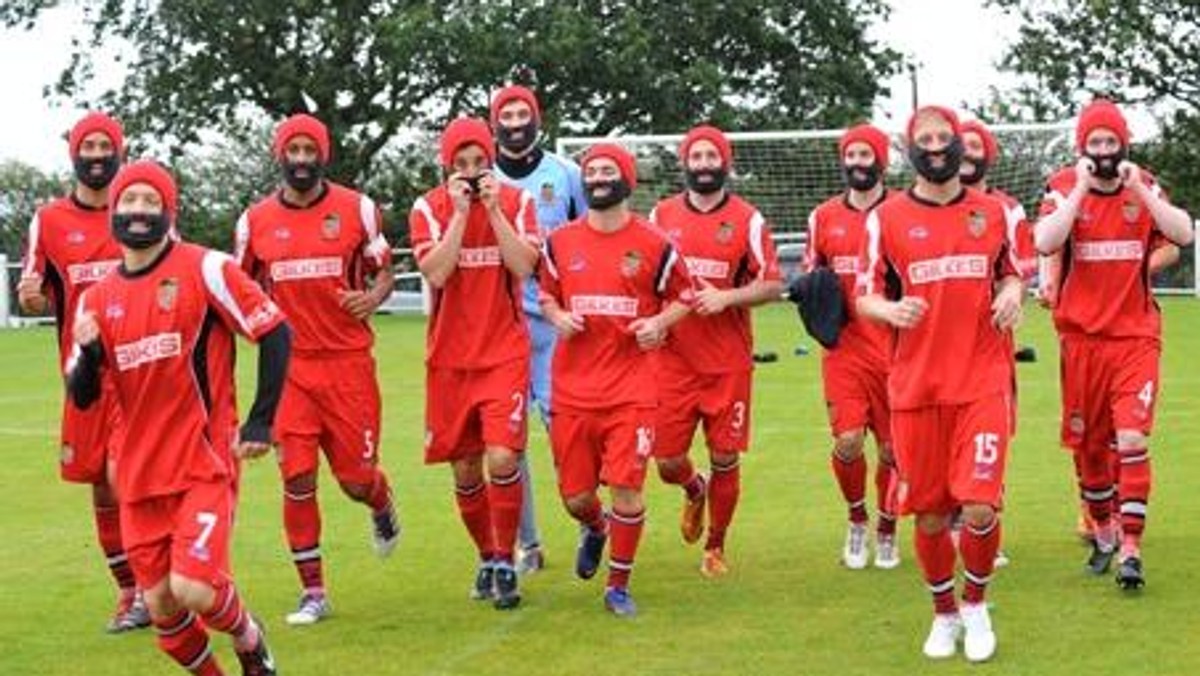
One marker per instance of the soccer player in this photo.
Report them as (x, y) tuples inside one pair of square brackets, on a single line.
[(70, 248), (318, 249), (476, 240), (162, 327), (1106, 215), (855, 372), (705, 368), (941, 269), (612, 286), (557, 188)]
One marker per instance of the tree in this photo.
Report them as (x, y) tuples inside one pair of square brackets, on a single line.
[(376, 67), (23, 188)]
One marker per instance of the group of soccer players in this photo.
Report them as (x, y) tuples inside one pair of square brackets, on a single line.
[(627, 332)]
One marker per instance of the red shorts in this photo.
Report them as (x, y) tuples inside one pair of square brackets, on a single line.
[(948, 455), (856, 396), (467, 410), (609, 446), (720, 401), (91, 438), (184, 533), (1107, 385), (330, 404)]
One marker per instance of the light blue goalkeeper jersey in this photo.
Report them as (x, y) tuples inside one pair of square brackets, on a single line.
[(557, 188)]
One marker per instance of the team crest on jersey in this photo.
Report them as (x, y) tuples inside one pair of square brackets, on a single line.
[(976, 223), (546, 194), (724, 233), (168, 293), (331, 227), (631, 263), (1131, 210), (1075, 424), (66, 454), (76, 238)]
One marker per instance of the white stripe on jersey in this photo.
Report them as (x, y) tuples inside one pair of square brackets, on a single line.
[(810, 247), (435, 226), (866, 278), (241, 238), (35, 243), (1013, 218), (212, 267), (377, 245), (665, 274), (548, 259), (756, 231)]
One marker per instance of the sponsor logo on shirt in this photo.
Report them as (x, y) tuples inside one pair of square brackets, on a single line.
[(708, 268), (331, 227), (481, 257), (577, 263), (837, 231), (918, 232), (844, 265), (605, 306), (281, 232), (968, 266), (89, 273), (76, 238), (1109, 250), (306, 268), (147, 350)]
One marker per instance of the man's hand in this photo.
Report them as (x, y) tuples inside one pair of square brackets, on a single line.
[(1131, 175), (87, 330), (460, 193), (649, 332), (906, 312), (30, 296), (360, 304), (489, 191), (1006, 308), (709, 299), (566, 323), (252, 449), (1085, 174)]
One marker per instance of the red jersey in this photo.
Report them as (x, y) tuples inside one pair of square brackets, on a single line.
[(304, 257), (71, 247), (951, 256), (476, 321), (726, 247), (609, 279), (1104, 287), (1020, 232), (836, 234), (167, 337)]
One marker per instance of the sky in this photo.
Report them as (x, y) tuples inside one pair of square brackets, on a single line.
[(949, 71)]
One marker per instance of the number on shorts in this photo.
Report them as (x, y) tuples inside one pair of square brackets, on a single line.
[(518, 413), (207, 521), (987, 448), (645, 441), (1146, 396), (739, 415), (368, 444)]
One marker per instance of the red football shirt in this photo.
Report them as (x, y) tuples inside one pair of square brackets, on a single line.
[(951, 256), (304, 257), (609, 279), (1020, 232), (726, 247), (1104, 287), (476, 321), (836, 233), (71, 247), (167, 336)]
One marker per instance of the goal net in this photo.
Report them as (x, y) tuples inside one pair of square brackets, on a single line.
[(788, 173)]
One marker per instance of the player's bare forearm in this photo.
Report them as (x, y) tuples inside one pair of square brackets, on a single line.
[(873, 307), (1174, 223), (758, 292), (519, 256), (1163, 257), (672, 313), (1052, 230), (442, 260)]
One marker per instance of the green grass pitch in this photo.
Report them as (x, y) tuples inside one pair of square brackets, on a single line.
[(787, 608)]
